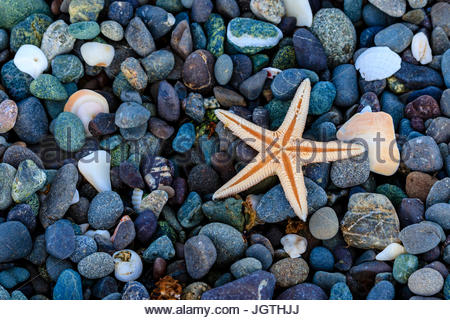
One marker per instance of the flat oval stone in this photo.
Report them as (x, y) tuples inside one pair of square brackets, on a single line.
[(96, 265), (397, 37), (303, 291), (32, 123), (7, 174), (290, 271), (425, 282), (158, 65), (256, 286), (420, 237), (105, 209), (223, 69), (422, 154), (198, 71), (16, 241), (68, 286)]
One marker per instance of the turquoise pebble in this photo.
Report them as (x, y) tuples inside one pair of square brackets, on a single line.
[(84, 30), (185, 138)]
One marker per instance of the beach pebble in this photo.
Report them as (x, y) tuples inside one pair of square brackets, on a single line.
[(250, 36), (134, 290), (68, 286), (203, 79), (324, 224), (200, 10), (425, 282), (294, 245), (336, 33), (397, 37), (228, 241), (394, 8), (105, 209), (16, 82), (8, 115), (439, 213), (85, 10), (258, 285), (344, 79), (7, 174), (69, 132), (96, 265), (244, 267), (185, 138), (303, 291), (270, 10), (84, 246), (321, 258), (57, 40), (60, 239), (200, 255), (161, 247), (422, 154), (350, 172), (112, 30), (383, 290), (340, 291), (16, 239), (439, 192), (420, 237), (358, 223), (28, 179), (168, 102)]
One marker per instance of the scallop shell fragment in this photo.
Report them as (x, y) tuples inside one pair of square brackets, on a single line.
[(420, 48), (31, 60), (86, 104), (378, 63)]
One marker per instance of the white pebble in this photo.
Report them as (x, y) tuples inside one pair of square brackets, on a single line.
[(391, 252), (294, 245), (128, 265), (378, 63), (420, 48), (97, 54), (301, 10), (31, 60)]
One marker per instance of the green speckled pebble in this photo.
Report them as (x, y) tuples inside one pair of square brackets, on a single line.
[(394, 193), (14, 11), (84, 30), (215, 31), (228, 211), (112, 30), (29, 179), (285, 58), (29, 31), (85, 10), (48, 87), (67, 68), (69, 132)]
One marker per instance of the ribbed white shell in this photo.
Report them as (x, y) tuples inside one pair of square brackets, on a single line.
[(136, 199), (378, 63)]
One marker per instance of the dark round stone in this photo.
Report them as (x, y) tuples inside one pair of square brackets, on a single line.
[(160, 128), (168, 102), (16, 241), (102, 124), (145, 225), (242, 69), (198, 71), (203, 179), (60, 239), (23, 213), (309, 51), (130, 175)]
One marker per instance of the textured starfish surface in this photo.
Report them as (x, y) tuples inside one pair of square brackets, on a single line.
[(282, 152)]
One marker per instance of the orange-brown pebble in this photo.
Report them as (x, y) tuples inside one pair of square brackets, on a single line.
[(418, 185), (8, 115)]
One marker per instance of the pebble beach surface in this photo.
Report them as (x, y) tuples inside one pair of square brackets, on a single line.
[(110, 150)]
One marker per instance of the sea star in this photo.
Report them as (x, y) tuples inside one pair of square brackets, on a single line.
[(282, 152)]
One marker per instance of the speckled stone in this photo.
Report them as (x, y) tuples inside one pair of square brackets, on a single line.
[(215, 31), (200, 255), (134, 290), (69, 132), (13, 11), (139, 38), (244, 267), (29, 179), (397, 37), (29, 31), (336, 33), (60, 239), (161, 247), (425, 282), (112, 30), (96, 265), (85, 10), (84, 30), (16, 82), (420, 237), (158, 65), (68, 286), (350, 172), (439, 192), (290, 271), (228, 241), (105, 209), (422, 154), (404, 266), (48, 87)]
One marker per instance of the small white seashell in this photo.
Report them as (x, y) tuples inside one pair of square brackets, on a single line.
[(31, 60), (272, 72), (97, 54), (102, 233), (391, 252), (420, 48), (86, 104), (378, 63), (95, 169), (136, 199), (76, 197), (294, 245), (301, 10), (128, 265)]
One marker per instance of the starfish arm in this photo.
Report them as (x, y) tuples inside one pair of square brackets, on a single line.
[(256, 137), (316, 151), (291, 178), (256, 171), (295, 119)]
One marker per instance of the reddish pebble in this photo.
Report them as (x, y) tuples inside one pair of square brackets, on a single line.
[(8, 115)]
